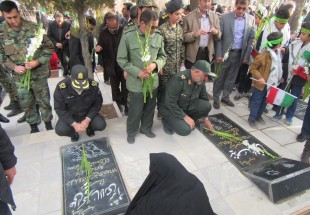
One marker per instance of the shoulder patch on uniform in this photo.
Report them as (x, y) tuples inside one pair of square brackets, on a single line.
[(183, 77), (62, 86), (94, 83)]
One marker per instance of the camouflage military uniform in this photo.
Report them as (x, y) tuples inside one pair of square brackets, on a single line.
[(175, 50), (13, 49), (8, 84)]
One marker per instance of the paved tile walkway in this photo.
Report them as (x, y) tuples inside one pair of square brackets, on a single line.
[(38, 184)]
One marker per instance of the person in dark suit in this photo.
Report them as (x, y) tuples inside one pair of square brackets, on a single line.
[(56, 32), (108, 43), (238, 34)]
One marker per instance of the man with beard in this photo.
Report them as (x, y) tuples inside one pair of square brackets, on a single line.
[(186, 100), (109, 40)]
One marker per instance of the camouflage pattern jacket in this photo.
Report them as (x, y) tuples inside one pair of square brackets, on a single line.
[(14, 44)]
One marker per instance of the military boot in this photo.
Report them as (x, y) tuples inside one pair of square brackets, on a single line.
[(22, 119), (48, 126), (14, 112), (305, 156), (12, 105), (34, 128)]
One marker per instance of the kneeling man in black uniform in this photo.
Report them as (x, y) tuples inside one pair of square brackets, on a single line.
[(77, 102)]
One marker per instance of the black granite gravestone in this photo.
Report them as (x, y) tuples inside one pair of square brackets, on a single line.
[(246, 152), (108, 194), (281, 179)]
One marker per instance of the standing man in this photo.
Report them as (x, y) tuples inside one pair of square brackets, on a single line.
[(237, 40), (77, 102), (185, 100), (126, 12), (201, 28), (15, 34), (56, 32), (109, 39), (129, 58)]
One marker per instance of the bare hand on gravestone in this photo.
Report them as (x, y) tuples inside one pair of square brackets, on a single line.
[(189, 121), (207, 124)]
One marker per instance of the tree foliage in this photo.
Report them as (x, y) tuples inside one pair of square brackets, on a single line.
[(300, 5), (77, 9)]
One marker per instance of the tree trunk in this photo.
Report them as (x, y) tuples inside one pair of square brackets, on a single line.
[(293, 22), (84, 42), (193, 4)]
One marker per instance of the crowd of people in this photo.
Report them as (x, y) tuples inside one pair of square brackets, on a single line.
[(171, 54)]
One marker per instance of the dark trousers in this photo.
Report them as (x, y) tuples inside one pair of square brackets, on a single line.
[(100, 62), (140, 112), (258, 104), (199, 109), (202, 54), (118, 87), (226, 80), (4, 209), (63, 56), (244, 80), (96, 124)]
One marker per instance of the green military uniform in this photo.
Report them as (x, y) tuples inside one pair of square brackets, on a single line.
[(175, 50), (129, 58), (8, 84), (183, 97), (13, 49)]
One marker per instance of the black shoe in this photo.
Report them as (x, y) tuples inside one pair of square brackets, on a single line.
[(4, 119), (228, 102), (305, 156), (34, 128), (148, 134), (216, 105), (261, 120), (12, 105), (14, 112), (75, 137), (301, 138), (131, 140), (90, 132), (167, 130), (22, 119), (48, 126), (251, 123)]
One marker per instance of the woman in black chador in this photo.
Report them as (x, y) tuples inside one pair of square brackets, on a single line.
[(170, 189)]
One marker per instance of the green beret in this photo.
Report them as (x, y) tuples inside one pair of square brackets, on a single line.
[(204, 66)]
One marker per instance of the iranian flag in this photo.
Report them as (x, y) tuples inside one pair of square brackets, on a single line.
[(279, 97)]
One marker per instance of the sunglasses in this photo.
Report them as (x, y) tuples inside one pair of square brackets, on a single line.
[(241, 8)]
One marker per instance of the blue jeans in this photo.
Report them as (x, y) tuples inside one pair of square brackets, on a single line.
[(295, 91), (4, 209), (258, 104)]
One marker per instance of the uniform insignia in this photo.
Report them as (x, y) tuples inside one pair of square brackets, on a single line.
[(183, 77), (62, 86), (94, 83)]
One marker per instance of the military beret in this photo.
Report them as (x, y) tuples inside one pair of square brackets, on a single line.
[(146, 3), (204, 66), (173, 6)]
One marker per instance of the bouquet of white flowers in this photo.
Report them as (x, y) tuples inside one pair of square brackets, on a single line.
[(147, 84), (33, 46)]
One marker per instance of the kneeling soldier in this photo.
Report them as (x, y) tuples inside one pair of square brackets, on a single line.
[(185, 100), (77, 102)]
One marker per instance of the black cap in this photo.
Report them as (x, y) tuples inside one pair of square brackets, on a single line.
[(79, 77), (173, 6)]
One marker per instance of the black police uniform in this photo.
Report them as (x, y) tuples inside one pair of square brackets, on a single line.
[(72, 107)]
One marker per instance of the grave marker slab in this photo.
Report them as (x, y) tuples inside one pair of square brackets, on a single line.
[(108, 194)]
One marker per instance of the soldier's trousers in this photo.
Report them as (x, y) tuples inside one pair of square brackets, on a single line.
[(199, 109), (140, 112), (96, 124), (8, 84), (37, 94)]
